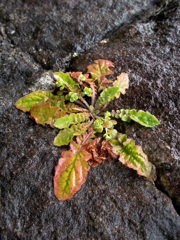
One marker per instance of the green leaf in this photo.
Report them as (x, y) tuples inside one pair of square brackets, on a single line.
[(26, 102), (100, 68), (64, 79), (110, 134), (106, 96), (82, 77), (65, 136), (87, 91), (122, 83), (44, 113), (74, 54), (144, 118), (108, 123), (132, 156), (124, 115), (71, 171), (59, 104), (80, 128), (107, 115), (98, 125), (73, 118), (73, 96)]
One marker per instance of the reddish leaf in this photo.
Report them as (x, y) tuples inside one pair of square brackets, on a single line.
[(122, 83), (71, 171), (101, 151), (78, 76), (100, 68), (25, 103), (43, 113), (132, 155)]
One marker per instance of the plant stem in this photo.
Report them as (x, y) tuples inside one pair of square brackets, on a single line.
[(88, 135), (96, 116), (92, 116), (105, 105), (80, 103), (84, 101)]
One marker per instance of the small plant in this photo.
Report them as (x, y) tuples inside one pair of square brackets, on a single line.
[(76, 106)]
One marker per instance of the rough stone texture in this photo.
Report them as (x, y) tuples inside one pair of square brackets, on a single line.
[(114, 203), (50, 31)]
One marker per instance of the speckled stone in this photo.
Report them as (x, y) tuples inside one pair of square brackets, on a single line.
[(114, 203)]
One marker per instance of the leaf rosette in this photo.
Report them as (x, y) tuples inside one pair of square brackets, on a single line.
[(77, 108)]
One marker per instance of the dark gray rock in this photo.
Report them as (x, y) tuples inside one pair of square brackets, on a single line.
[(114, 203), (50, 31)]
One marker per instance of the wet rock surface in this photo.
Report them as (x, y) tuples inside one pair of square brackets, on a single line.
[(114, 203), (50, 31)]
